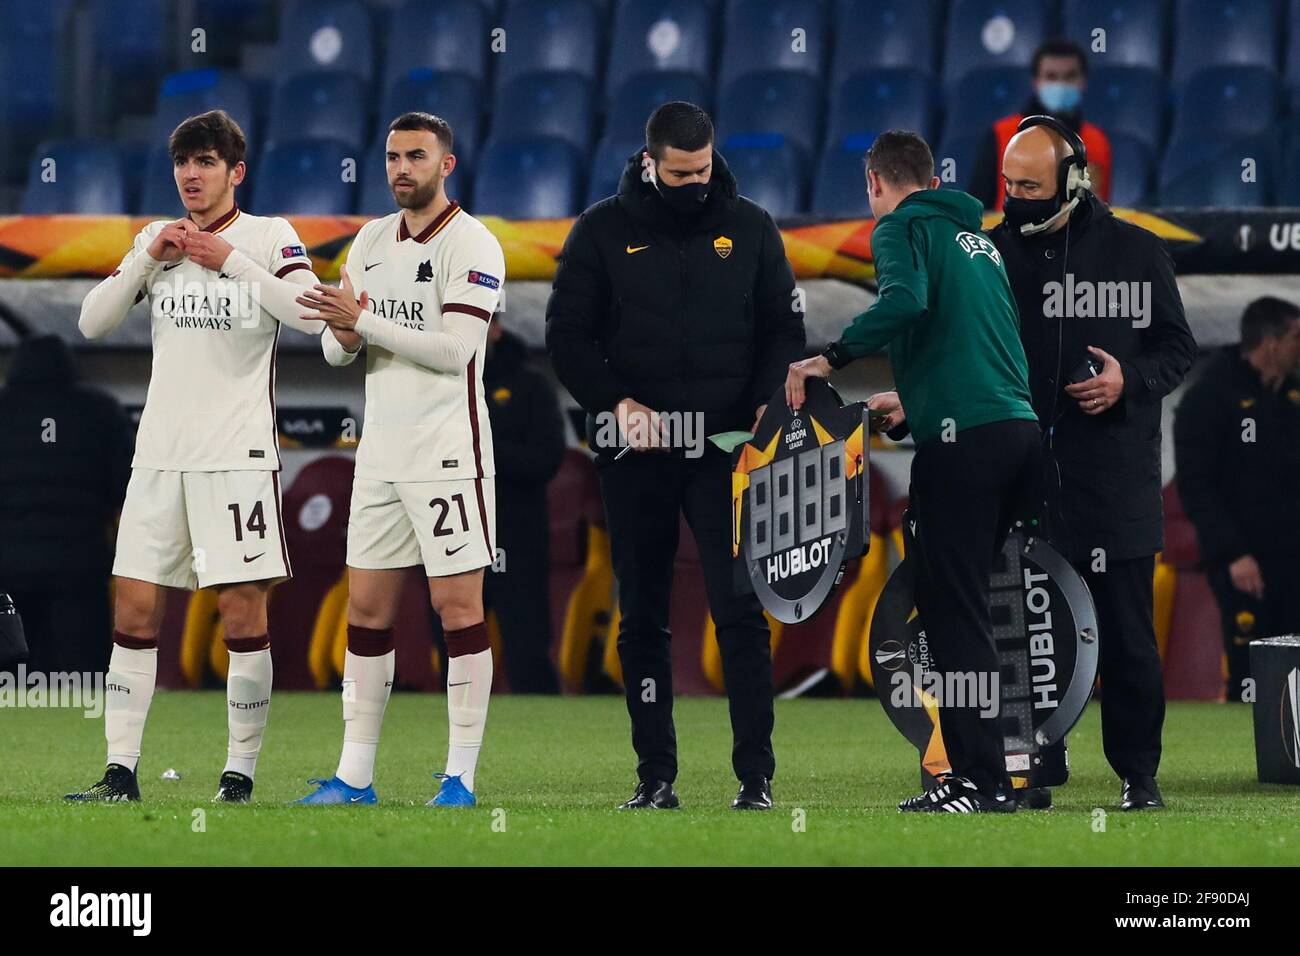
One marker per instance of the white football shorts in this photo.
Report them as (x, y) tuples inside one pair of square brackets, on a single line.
[(448, 526), (189, 529)]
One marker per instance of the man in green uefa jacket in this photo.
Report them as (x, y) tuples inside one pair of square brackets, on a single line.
[(947, 315)]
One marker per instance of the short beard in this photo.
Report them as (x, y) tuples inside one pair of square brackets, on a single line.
[(419, 197)]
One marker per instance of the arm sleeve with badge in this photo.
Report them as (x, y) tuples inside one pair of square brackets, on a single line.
[(276, 289), (106, 305), (472, 278)]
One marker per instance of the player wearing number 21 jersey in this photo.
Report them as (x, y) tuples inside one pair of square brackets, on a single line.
[(418, 290)]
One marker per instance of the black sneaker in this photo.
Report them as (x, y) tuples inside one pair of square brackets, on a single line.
[(916, 803), (955, 794), (1034, 798), (652, 795), (119, 784), (755, 794), (234, 788), (1140, 793)]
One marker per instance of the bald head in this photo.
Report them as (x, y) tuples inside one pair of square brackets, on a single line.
[(1031, 161)]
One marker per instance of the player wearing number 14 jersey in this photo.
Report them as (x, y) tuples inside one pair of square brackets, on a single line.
[(429, 280), (203, 505)]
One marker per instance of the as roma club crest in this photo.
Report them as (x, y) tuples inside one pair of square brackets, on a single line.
[(722, 246), (799, 499)]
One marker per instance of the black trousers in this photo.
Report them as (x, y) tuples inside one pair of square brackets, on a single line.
[(965, 495), (1247, 618), (520, 596), (644, 494), (1132, 678)]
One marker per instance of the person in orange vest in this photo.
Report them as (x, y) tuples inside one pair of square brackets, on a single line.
[(1060, 76)]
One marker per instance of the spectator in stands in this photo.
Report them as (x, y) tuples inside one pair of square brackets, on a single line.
[(675, 296), (528, 442), (1101, 424), (1060, 76), (1237, 447), (63, 476)]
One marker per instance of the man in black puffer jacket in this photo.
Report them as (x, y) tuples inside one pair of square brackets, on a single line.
[(673, 316)]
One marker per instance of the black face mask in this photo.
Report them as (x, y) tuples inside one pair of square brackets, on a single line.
[(686, 200), (1025, 212)]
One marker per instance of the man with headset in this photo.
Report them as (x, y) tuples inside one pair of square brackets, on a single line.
[(1104, 332)]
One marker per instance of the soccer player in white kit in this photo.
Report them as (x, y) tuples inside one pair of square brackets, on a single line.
[(203, 505), (429, 278)]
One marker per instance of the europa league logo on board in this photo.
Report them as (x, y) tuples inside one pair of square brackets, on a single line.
[(799, 498)]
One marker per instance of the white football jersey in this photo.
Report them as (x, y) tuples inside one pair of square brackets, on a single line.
[(426, 423), (211, 400)]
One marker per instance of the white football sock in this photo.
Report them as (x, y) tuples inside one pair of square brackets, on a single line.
[(469, 685), (128, 691), (248, 702), (367, 683)]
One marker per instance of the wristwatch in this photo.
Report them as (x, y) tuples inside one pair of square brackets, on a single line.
[(837, 355)]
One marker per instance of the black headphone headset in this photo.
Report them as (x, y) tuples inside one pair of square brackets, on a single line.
[(1072, 180)]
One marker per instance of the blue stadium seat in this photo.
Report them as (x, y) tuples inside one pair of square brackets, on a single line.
[(376, 198), (319, 106), (987, 33), (956, 156), (608, 164), (654, 35), (183, 95), (774, 102), (232, 23), (550, 36), (128, 46), (642, 93), (528, 178), (1292, 55), (840, 186), (870, 34), (86, 178), (158, 195), (1227, 101), (769, 171), (1130, 100), (449, 36), (455, 97), (32, 95), (332, 35), (1217, 32), (1137, 31), (759, 35), (304, 177), (1205, 171), (984, 96), (873, 101), (1133, 169), (546, 104)]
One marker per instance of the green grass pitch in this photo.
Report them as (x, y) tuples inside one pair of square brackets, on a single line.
[(553, 770)]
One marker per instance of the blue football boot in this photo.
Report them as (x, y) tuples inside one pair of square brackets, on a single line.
[(335, 791), (452, 793)]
